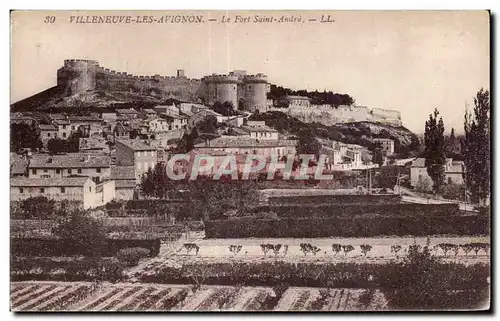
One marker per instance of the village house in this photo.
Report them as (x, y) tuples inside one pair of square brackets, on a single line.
[(88, 125), (453, 172), (19, 118), (96, 167), (47, 132), (175, 122), (128, 113), (142, 155), (259, 130), (121, 131), (18, 165), (109, 117), (81, 190), (149, 113), (157, 125), (387, 145), (125, 182), (245, 145)]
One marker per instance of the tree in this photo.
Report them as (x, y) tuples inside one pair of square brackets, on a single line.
[(378, 157), (365, 248), (81, 233), (336, 248), (225, 109), (208, 125), (133, 134), (418, 282), (57, 146), (388, 176), (307, 142), (451, 144), (38, 207), (347, 248), (435, 157), (156, 183), (24, 136), (476, 148)]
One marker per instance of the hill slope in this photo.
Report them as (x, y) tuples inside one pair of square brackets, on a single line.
[(361, 133)]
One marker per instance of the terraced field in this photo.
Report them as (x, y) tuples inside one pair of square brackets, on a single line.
[(83, 296)]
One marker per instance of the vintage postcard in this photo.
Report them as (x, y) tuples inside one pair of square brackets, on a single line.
[(250, 161)]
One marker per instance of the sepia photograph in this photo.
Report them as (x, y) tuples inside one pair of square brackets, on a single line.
[(250, 161)]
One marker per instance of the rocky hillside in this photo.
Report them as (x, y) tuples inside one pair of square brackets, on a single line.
[(360, 133), (56, 99)]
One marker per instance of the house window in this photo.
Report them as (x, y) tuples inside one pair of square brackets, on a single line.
[(64, 135), (98, 170), (90, 188), (64, 126), (69, 171), (63, 190), (72, 127), (48, 134), (21, 190), (79, 171), (45, 170), (42, 190), (34, 171), (58, 171)]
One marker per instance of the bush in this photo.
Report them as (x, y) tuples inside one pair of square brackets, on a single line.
[(423, 281), (65, 269), (39, 207), (80, 231), (349, 227), (131, 256)]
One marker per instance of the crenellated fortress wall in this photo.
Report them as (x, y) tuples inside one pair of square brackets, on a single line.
[(244, 91)]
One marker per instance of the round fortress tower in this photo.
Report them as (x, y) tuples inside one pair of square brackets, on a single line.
[(78, 75), (255, 89), (222, 88)]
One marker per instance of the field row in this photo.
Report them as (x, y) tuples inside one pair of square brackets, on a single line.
[(82, 296)]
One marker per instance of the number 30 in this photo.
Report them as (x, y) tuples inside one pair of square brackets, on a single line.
[(50, 19)]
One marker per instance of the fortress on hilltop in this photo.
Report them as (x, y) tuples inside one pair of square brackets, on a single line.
[(245, 92)]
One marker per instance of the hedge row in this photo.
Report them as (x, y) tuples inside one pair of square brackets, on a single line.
[(343, 210), (336, 199), (70, 269), (342, 275), (44, 247), (348, 227)]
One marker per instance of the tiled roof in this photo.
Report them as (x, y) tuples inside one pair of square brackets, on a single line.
[(241, 141), (76, 160), (149, 111), (187, 113), (48, 182), (122, 172), (84, 119), (18, 165), (177, 116), (240, 131), (126, 111), (57, 116), (125, 183), (264, 128), (382, 140), (419, 162), (47, 127), (61, 122), (137, 145)]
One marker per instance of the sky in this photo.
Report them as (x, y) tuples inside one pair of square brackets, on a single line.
[(410, 61)]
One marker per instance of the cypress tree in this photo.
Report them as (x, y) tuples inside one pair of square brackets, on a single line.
[(435, 157), (476, 148)]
